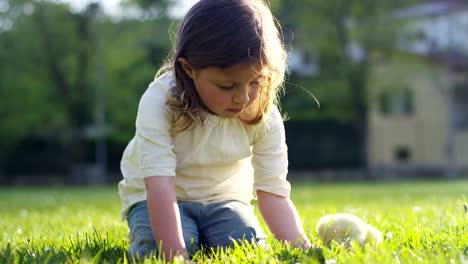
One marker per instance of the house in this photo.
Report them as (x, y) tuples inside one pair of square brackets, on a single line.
[(418, 113)]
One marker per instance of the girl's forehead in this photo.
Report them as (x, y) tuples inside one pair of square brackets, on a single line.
[(241, 69)]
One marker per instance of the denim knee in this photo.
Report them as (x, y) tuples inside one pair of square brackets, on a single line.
[(141, 237), (226, 222), (141, 248), (240, 235)]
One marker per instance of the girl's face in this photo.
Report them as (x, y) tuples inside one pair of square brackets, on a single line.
[(226, 92)]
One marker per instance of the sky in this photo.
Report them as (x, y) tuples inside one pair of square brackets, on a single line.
[(113, 8)]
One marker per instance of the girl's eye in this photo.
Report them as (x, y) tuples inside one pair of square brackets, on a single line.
[(255, 83), (226, 87)]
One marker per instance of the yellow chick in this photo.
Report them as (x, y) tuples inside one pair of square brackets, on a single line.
[(346, 227)]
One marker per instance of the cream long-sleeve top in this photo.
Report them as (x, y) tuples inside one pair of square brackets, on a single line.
[(223, 159)]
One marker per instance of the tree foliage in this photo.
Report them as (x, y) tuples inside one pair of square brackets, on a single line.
[(49, 76)]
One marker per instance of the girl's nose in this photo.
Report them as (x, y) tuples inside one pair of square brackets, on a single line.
[(241, 97)]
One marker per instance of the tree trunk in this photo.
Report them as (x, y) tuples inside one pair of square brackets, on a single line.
[(357, 79)]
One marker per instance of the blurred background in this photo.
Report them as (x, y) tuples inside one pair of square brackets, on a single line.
[(391, 77)]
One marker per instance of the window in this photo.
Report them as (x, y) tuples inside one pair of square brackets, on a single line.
[(397, 102), (402, 154)]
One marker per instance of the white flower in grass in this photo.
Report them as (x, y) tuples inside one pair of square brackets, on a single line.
[(388, 236)]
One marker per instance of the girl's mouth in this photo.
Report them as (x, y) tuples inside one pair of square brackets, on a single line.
[(236, 110)]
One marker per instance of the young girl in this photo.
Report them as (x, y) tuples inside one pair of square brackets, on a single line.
[(209, 138)]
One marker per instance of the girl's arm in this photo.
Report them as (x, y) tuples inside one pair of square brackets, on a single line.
[(282, 219), (164, 216)]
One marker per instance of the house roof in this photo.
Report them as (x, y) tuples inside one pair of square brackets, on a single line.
[(456, 60), (431, 8), (441, 31)]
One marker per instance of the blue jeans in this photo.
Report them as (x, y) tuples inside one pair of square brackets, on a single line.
[(210, 226)]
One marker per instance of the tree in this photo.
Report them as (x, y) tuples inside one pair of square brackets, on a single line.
[(152, 8), (48, 57), (66, 42), (22, 79)]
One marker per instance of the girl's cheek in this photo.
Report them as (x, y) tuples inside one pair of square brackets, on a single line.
[(254, 94)]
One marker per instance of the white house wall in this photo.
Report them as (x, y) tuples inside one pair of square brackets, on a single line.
[(424, 132)]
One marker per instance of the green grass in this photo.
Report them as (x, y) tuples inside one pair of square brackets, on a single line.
[(422, 222)]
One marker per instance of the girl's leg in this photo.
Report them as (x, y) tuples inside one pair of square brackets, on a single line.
[(225, 222), (141, 237), (189, 213)]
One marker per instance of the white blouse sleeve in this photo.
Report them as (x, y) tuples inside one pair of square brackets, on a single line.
[(154, 148), (270, 157)]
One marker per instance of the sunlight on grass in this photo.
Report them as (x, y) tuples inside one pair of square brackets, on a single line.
[(422, 222)]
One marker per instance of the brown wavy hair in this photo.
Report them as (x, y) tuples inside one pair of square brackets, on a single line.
[(223, 33)]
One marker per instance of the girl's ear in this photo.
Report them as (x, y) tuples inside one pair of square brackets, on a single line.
[(187, 67)]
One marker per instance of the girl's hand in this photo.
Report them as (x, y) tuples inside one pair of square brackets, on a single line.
[(305, 244)]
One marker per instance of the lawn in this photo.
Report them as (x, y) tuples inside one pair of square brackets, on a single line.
[(422, 222)]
